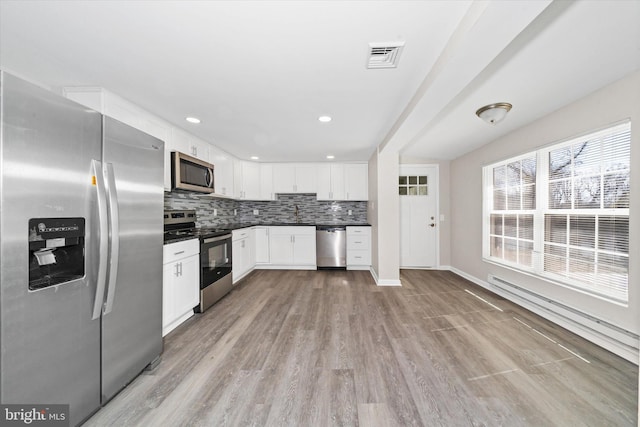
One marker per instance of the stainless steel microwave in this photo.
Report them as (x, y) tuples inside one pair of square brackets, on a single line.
[(189, 173)]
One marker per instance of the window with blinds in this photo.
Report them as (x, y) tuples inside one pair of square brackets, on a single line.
[(562, 212)]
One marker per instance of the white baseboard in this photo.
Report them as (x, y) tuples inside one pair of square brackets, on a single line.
[(385, 282), (607, 342), (285, 267)]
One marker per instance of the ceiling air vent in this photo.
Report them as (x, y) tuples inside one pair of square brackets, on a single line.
[(384, 55)]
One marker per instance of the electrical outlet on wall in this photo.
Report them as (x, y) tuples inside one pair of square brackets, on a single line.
[(349, 212), (215, 212), (255, 212), (235, 212)]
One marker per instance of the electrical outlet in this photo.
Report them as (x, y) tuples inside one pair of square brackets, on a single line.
[(349, 212), (235, 212), (215, 212), (255, 212)]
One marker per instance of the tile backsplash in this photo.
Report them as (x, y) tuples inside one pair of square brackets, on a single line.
[(269, 212)]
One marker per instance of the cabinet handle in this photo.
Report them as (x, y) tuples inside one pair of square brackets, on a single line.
[(178, 253), (357, 242), (180, 269)]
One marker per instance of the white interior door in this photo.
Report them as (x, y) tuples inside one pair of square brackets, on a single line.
[(418, 190)]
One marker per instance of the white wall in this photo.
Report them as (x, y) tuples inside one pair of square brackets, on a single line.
[(610, 104), (384, 215)]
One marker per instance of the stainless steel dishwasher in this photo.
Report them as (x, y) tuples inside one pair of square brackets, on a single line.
[(331, 246)]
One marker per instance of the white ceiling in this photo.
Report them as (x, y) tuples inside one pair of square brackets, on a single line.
[(258, 74)]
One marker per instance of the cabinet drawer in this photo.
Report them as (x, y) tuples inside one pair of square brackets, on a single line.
[(358, 242), (358, 230), (358, 257), (240, 234), (178, 250)]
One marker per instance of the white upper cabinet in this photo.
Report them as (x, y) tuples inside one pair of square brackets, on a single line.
[(188, 144), (222, 171), (266, 182), (343, 181), (356, 177), (252, 181), (331, 182), (294, 178)]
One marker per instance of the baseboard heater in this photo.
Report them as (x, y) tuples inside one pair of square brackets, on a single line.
[(611, 337)]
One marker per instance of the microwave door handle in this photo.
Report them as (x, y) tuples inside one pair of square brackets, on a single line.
[(115, 237), (209, 177), (103, 232)]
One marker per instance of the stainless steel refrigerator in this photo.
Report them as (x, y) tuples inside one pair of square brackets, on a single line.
[(81, 223)]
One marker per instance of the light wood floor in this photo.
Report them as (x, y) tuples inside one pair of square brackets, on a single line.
[(329, 348)]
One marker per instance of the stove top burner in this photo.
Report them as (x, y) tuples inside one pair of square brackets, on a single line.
[(192, 232)]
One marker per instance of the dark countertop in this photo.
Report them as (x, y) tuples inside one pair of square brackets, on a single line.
[(288, 224)]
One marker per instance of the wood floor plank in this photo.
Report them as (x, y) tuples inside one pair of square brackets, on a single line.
[(329, 348)]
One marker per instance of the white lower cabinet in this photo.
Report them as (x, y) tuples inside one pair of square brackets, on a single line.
[(358, 247), (263, 255), (181, 282), (292, 247), (243, 253)]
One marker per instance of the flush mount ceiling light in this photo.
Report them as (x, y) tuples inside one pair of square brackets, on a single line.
[(254, 157), (193, 120), (331, 157), (494, 113), (324, 119)]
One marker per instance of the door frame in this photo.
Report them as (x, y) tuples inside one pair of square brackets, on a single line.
[(436, 167)]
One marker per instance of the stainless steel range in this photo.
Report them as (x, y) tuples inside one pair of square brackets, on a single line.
[(215, 254)]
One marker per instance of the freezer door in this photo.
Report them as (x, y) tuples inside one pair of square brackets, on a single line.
[(132, 317), (50, 346)]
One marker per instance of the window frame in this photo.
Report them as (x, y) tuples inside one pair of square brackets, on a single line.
[(542, 209)]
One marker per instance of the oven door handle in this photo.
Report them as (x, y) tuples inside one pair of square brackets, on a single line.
[(217, 239)]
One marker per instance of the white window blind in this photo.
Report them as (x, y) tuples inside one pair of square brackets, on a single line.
[(580, 201)]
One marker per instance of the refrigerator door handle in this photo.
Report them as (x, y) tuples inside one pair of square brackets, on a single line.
[(103, 223), (114, 237)]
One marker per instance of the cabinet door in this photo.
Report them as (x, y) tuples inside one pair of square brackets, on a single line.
[(187, 290), (262, 245), (356, 182), (304, 249), (284, 178), (323, 186), (337, 182), (237, 179), (305, 179), (223, 171), (169, 275), (250, 181), (237, 260), (281, 248), (266, 182)]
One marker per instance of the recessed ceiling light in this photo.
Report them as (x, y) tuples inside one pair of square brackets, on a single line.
[(254, 157), (193, 120), (324, 119), (331, 156)]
